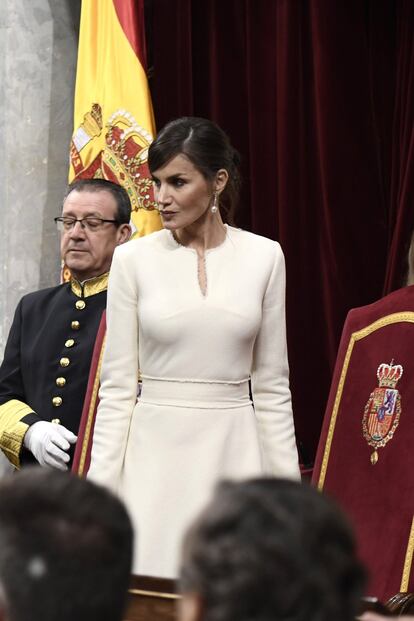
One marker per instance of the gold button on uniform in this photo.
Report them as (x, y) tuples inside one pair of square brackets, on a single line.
[(80, 304), (60, 381), (57, 401), (69, 343), (75, 325), (64, 362)]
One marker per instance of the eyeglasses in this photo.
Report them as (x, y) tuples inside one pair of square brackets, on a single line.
[(90, 223)]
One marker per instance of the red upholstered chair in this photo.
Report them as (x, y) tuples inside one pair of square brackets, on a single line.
[(82, 456), (365, 456)]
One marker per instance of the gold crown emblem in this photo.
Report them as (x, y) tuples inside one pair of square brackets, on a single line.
[(126, 155), (92, 121), (389, 374)]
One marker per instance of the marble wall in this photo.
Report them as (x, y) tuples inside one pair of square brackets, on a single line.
[(38, 48)]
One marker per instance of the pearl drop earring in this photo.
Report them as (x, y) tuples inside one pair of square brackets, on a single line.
[(214, 206)]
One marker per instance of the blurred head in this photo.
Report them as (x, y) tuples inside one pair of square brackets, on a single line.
[(87, 250), (65, 549), (207, 148), (270, 549)]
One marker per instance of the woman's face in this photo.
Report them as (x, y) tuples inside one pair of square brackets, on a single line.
[(183, 194)]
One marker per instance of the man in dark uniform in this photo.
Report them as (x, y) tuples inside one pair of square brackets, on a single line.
[(44, 373)]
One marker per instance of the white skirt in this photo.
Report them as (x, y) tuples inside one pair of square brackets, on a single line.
[(184, 437)]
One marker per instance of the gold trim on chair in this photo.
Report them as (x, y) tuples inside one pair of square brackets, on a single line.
[(91, 411), (154, 594), (408, 561)]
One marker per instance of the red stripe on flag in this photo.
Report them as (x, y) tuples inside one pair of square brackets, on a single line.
[(132, 19)]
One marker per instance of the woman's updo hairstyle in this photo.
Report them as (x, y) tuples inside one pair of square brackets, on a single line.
[(207, 147)]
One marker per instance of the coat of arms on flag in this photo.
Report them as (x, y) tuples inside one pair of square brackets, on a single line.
[(383, 409), (123, 158)]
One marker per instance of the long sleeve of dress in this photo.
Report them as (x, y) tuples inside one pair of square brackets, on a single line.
[(119, 376), (270, 380)]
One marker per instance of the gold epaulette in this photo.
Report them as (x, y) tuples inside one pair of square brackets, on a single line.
[(12, 429)]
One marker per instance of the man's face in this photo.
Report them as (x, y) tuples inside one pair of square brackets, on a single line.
[(89, 253)]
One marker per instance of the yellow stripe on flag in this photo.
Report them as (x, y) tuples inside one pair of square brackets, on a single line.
[(113, 117)]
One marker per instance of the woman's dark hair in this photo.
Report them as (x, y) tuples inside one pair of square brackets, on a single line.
[(207, 147), (65, 548), (123, 203), (269, 549)]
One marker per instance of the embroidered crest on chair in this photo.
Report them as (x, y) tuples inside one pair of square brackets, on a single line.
[(383, 409)]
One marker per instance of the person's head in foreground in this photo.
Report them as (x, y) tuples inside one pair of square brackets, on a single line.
[(65, 549), (269, 549)]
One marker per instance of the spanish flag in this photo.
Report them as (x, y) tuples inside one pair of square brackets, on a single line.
[(114, 127), (113, 117)]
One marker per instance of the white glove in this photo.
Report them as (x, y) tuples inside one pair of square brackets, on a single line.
[(49, 442)]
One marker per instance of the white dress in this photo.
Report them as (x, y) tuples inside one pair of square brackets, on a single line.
[(194, 422)]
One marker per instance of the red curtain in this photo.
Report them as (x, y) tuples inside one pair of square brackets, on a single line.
[(318, 98), (401, 171)]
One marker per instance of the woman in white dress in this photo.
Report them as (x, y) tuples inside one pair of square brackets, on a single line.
[(198, 310)]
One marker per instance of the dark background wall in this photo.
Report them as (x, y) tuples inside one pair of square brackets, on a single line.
[(318, 98)]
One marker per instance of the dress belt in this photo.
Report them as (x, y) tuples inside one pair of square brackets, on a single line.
[(194, 394)]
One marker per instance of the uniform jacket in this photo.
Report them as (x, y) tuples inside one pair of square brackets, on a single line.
[(46, 363)]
